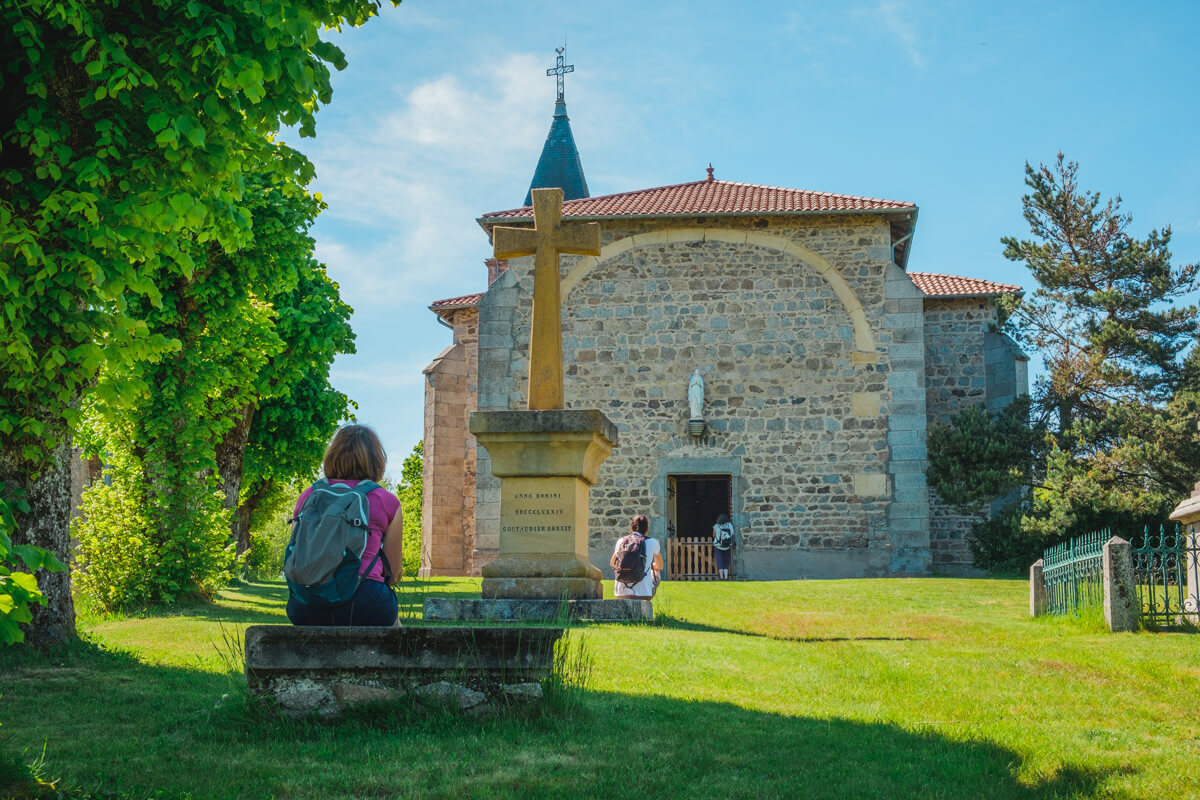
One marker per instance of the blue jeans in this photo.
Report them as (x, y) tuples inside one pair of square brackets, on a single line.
[(722, 558), (373, 604)]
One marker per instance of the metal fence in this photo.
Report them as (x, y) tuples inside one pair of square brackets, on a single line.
[(1073, 573), (1161, 563)]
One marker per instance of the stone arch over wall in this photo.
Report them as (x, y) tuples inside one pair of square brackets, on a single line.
[(864, 342)]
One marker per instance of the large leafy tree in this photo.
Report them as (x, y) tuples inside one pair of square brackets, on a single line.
[(283, 431), (177, 408), (125, 132)]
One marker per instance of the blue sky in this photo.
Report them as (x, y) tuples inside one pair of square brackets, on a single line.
[(443, 110)]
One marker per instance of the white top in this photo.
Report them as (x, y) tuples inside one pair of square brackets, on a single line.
[(717, 535), (644, 587)]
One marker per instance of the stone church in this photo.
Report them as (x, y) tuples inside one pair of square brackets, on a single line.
[(824, 362)]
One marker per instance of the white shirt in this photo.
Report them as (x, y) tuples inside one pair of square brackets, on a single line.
[(644, 587)]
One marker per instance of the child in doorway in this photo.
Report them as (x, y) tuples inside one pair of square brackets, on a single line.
[(723, 545)]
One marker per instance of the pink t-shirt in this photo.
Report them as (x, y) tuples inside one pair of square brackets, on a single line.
[(382, 506)]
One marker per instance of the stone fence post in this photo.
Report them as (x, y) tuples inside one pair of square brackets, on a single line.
[(1037, 590), (1121, 605)]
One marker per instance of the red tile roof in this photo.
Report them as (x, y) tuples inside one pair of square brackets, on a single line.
[(709, 197), (934, 284), (466, 301)]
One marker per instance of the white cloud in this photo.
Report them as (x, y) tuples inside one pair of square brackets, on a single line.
[(405, 184), (897, 19)]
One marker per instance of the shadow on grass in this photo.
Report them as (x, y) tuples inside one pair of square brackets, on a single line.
[(116, 726), (411, 594), (675, 623)]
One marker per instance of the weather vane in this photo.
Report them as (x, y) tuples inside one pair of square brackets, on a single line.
[(558, 70)]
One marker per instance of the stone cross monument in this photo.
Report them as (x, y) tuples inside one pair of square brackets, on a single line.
[(545, 457), (544, 242)]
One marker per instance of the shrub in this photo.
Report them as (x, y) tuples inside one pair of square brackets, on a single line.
[(127, 558), (264, 561)]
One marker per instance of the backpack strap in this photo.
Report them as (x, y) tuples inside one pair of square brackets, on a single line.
[(364, 488)]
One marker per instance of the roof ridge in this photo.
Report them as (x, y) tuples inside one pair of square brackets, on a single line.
[(712, 190)]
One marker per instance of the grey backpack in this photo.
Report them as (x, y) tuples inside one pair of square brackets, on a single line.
[(323, 560)]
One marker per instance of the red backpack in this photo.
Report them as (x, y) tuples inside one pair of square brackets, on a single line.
[(629, 561)]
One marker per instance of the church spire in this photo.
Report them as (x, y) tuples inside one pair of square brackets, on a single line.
[(559, 165)]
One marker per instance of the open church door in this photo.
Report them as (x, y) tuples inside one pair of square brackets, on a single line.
[(693, 504)]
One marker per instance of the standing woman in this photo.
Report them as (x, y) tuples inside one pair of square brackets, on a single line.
[(723, 545), (355, 454)]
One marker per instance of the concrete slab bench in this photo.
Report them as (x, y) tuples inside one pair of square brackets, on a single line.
[(319, 670)]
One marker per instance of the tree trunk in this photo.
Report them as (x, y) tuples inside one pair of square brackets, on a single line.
[(231, 453), (241, 517), (46, 525)]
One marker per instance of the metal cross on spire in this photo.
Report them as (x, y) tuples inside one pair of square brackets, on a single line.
[(558, 70)]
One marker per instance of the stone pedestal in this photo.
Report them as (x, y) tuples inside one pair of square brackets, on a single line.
[(546, 461)]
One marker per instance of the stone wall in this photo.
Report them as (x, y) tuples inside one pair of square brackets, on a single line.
[(967, 363), (955, 372), (448, 472), (813, 364)]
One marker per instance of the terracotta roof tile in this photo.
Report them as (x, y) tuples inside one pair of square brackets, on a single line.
[(466, 301), (934, 284), (709, 197)]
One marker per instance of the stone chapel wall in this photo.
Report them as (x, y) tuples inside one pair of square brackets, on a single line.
[(448, 471), (797, 411), (967, 363)]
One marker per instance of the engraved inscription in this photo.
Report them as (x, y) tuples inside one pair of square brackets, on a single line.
[(537, 512)]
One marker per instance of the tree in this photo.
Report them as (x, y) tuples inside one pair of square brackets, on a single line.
[(285, 427), (1119, 401), (181, 406), (1111, 438), (1104, 315), (125, 130), (409, 490)]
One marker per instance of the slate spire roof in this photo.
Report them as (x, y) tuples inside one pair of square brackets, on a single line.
[(559, 165)]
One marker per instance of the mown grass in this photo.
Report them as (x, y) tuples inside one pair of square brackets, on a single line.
[(884, 688)]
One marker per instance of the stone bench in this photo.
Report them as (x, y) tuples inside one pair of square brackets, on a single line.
[(323, 670)]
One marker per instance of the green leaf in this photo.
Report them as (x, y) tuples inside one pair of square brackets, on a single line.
[(26, 582), (32, 556), (181, 202), (158, 121)]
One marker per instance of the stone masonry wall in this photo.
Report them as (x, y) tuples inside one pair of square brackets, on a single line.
[(956, 377), (448, 472), (797, 412)]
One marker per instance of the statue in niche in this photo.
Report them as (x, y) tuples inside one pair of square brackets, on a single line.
[(696, 395)]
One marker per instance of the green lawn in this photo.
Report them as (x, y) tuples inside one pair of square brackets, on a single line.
[(881, 688)]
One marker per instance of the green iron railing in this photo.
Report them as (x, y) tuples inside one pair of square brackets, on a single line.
[(1162, 562), (1073, 572)]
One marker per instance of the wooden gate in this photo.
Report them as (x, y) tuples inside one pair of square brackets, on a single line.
[(691, 560)]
